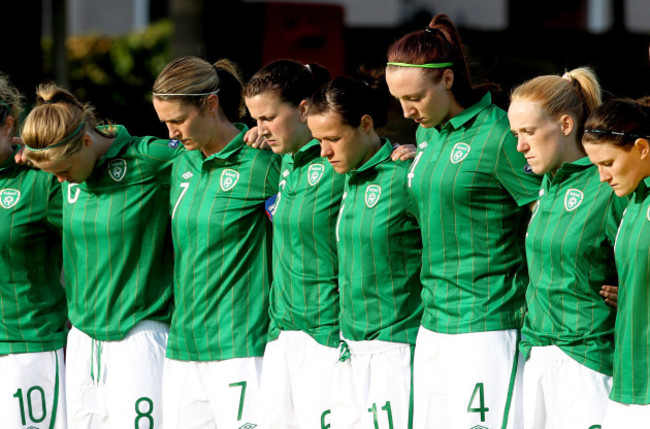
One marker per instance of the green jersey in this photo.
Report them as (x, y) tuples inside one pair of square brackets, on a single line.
[(304, 293), (116, 238), (632, 356), (222, 244), (468, 183), (380, 253), (32, 299), (570, 253)]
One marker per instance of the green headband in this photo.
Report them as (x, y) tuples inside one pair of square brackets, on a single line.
[(426, 66), (59, 143)]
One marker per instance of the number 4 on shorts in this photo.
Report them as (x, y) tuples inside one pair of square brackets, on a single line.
[(481, 406)]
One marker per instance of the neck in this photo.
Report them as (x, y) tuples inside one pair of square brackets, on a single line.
[(101, 144), (573, 152), (223, 134), (5, 151)]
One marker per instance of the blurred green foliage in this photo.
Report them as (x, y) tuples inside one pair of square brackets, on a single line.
[(116, 74)]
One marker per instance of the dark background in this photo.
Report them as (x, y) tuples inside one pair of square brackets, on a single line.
[(542, 38)]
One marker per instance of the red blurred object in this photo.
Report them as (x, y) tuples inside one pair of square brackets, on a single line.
[(305, 32)]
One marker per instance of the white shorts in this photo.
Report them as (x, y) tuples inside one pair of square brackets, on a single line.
[(296, 382), (32, 390), (211, 395), (373, 387), (116, 384), (626, 416), (560, 393), (468, 380)]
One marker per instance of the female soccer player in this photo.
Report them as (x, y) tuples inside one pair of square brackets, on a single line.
[(617, 140), (32, 299), (304, 301), (568, 333), (222, 248), (117, 258), (470, 187), (379, 254)]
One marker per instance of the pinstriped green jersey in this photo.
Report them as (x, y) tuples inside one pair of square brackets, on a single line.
[(468, 183), (117, 252), (304, 294), (32, 299), (380, 251), (631, 381), (222, 244), (570, 253)]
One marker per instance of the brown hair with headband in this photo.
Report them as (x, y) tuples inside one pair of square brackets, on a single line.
[(618, 122), (190, 80), (59, 121), (440, 42)]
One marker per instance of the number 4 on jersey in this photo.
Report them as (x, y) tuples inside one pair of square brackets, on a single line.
[(481, 399)]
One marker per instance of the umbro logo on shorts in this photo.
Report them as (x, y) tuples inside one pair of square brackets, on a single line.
[(478, 427), (250, 426)]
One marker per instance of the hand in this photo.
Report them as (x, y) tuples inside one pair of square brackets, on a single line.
[(610, 293), (19, 157), (254, 139), (403, 152)]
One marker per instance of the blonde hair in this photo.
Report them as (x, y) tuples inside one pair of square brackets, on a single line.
[(58, 122), (198, 79), (11, 103), (576, 93)]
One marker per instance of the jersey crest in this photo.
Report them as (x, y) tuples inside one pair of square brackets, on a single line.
[(229, 179), (9, 198), (315, 173), (572, 199), (373, 192), (459, 152), (117, 169)]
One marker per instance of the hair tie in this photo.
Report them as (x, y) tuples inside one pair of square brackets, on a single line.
[(430, 30), (308, 67), (166, 94), (48, 102), (566, 76)]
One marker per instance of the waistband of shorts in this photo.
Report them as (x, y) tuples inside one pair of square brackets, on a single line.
[(148, 326), (373, 346)]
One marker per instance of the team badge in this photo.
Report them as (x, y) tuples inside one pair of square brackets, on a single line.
[(9, 198), (572, 199), (229, 179), (173, 144), (314, 173), (373, 192), (459, 152), (528, 169), (117, 169)]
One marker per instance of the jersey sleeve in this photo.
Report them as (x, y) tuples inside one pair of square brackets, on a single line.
[(514, 173), (160, 154), (272, 176), (54, 208), (615, 211)]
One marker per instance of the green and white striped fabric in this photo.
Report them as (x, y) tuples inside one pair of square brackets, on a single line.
[(469, 184), (222, 244), (116, 241), (631, 383), (304, 293), (380, 252), (32, 300), (570, 252)]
